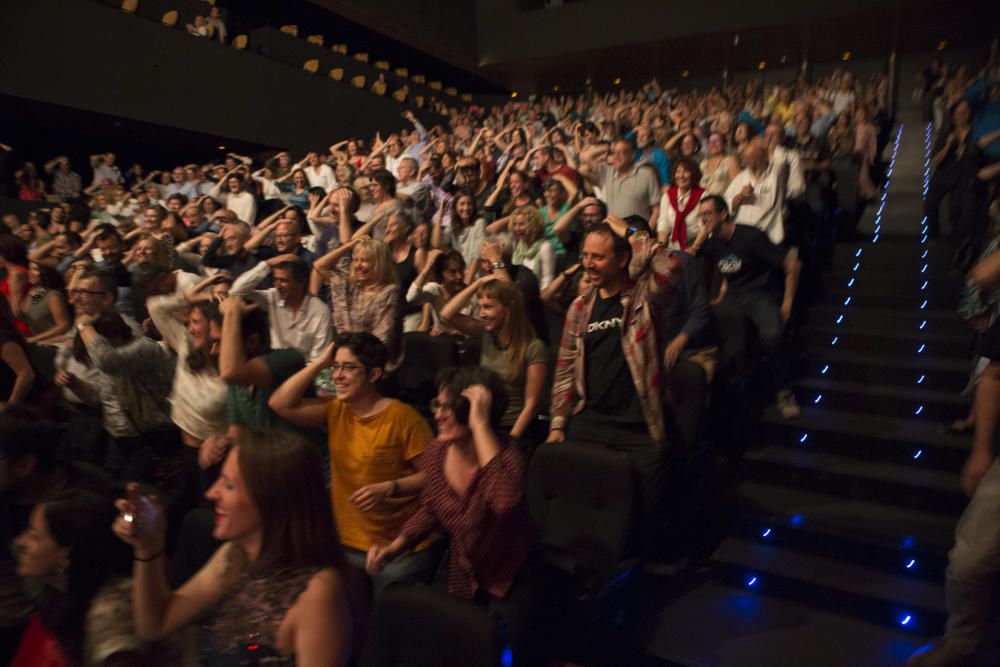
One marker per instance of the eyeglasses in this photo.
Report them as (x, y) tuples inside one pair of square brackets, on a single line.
[(347, 368), (445, 408), (79, 292)]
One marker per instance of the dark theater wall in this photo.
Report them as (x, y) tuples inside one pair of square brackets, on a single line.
[(444, 28), (85, 55)]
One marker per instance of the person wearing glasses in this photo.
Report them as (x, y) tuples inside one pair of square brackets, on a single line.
[(374, 442)]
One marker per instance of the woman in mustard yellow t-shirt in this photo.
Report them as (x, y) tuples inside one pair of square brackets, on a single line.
[(373, 442)]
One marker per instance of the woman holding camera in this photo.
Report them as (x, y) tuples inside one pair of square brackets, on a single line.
[(277, 591)]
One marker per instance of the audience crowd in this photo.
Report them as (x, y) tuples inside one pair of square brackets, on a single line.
[(237, 342)]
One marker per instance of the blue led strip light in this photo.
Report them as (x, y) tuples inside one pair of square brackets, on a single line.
[(924, 264), (856, 268)]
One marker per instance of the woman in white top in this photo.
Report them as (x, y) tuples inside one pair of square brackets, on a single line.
[(531, 249), (678, 225), (718, 168), (198, 395), (467, 229), (236, 199)]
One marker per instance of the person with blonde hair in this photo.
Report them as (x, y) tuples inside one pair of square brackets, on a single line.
[(531, 249), (510, 346), (365, 297)]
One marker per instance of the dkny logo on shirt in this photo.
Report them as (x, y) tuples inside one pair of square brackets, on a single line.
[(730, 264), (604, 324)]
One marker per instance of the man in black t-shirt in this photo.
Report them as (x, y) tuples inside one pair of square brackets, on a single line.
[(746, 258)]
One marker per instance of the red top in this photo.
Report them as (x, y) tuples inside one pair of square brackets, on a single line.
[(21, 325), (490, 530)]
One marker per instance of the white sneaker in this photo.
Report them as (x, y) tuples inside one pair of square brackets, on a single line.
[(787, 405)]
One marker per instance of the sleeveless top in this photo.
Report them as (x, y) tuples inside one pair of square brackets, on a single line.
[(715, 181), (37, 314), (407, 272), (242, 629)]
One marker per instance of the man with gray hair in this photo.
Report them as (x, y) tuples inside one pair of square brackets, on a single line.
[(227, 251), (411, 191)]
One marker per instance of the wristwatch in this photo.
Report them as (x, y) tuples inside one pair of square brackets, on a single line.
[(499, 265), (80, 326)]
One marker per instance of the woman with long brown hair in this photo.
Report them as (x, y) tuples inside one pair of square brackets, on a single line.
[(277, 590), (510, 347)]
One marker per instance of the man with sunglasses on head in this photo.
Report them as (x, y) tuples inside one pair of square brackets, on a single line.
[(374, 442)]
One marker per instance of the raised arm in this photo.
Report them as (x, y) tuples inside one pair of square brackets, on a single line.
[(235, 366), (288, 400), (451, 313), (328, 262)]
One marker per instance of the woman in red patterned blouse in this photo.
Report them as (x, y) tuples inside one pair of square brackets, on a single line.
[(475, 493)]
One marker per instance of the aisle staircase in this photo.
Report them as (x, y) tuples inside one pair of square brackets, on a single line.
[(840, 529)]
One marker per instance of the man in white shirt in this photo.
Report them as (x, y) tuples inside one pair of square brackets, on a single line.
[(297, 319), (757, 195), (105, 170), (237, 199), (410, 191), (319, 173)]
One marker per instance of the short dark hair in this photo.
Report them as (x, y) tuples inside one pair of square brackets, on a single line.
[(369, 350), (318, 191), (453, 381), (299, 270), (178, 196), (717, 202), (620, 245), (147, 273), (601, 205), (105, 280), (108, 234)]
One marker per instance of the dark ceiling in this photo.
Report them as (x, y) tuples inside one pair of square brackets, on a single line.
[(865, 35)]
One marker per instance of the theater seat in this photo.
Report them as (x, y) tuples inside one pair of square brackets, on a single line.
[(311, 65), (240, 42), (435, 85), (419, 101), (339, 48), (170, 18), (450, 90), (400, 95), (337, 74), (425, 356), (292, 30), (419, 78), (358, 81), (583, 500), (379, 88), (363, 57), (129, 6), (401, 72), (466, 97), (382, 65), (418, 626), (315, 39)]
